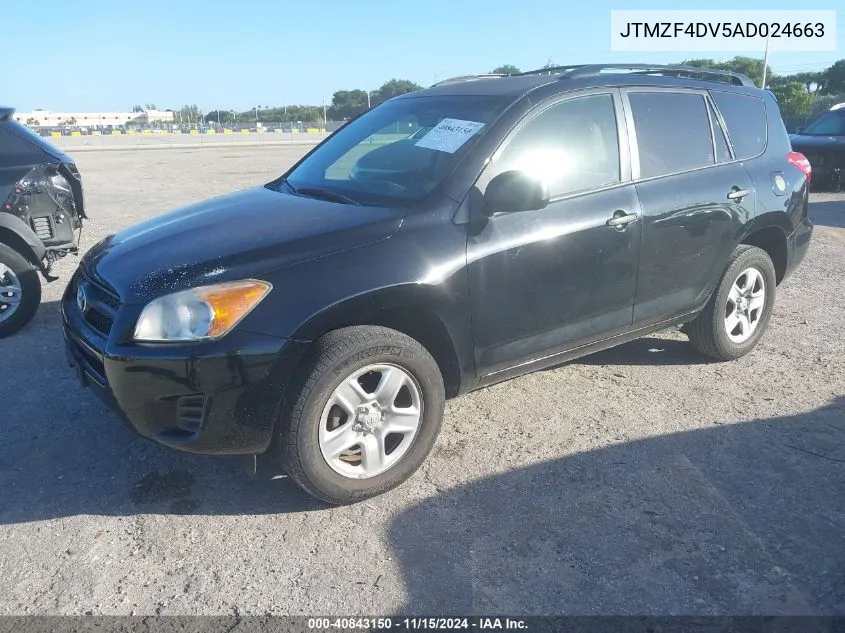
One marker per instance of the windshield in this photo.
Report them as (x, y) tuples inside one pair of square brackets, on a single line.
[(828, 124), (398, 152)]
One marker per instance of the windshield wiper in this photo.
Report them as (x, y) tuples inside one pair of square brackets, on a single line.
[(325, 194)]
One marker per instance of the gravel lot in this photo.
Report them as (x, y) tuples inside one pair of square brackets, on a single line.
[(642, 480)]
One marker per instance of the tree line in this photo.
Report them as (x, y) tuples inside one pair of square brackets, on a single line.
[(345, 104), (798, 94)]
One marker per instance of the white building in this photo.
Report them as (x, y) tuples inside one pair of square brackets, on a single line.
[(47, 118)]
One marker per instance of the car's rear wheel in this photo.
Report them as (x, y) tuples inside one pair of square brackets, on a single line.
[(739, 311), (20, 291), (362, 415)]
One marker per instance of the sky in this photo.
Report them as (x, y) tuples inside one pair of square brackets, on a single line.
[(96, 55)]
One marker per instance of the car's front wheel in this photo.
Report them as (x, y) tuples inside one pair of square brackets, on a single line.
[(20, 291), (738, 313), (362, 415)]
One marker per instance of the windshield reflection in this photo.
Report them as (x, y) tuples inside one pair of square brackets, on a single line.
[(398, 152)]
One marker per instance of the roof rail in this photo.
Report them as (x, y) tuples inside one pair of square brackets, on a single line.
[(461, 78), (6, 113), (725, 76), (548, 70)]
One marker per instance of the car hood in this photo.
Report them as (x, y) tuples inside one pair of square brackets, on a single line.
[(802, 142), (244, 234)]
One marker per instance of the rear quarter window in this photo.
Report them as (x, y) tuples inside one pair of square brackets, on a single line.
[(745, 117)]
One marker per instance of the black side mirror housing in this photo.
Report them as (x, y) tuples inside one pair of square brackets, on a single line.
[(513, 191)]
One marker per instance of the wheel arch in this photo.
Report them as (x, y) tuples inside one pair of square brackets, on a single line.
[(412, 311), (772, 239)]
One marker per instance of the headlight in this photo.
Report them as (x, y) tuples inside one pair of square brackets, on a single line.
[(207, 312)]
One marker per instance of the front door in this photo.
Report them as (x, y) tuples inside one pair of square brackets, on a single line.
[(550, 280)]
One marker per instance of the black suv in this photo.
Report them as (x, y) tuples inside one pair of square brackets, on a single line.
[(822, 141), (443, 241), (41, 215)]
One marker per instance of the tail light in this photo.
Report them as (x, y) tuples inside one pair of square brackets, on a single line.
[(800, 161)]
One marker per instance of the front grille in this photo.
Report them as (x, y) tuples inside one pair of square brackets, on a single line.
[(100, 305), (99, 321), (42, 227)]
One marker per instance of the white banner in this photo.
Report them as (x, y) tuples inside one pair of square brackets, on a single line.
[(723, 31)]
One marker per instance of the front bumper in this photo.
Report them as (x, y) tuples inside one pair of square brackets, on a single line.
[(218, 397)]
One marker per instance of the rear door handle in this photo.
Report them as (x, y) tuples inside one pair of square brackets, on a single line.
[(738, 194), (621, 219)]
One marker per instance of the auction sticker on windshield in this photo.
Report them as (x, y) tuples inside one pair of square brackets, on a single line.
[(449, 135)]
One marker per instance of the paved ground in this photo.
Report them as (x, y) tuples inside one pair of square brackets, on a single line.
[(640, 480)]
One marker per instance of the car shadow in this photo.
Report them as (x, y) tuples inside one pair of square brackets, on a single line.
[(828, 213), (63, 453), (743, 518)]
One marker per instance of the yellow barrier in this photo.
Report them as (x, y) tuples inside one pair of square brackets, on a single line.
[(176, 132), (145, 132), (96, 133), (312, 130), (116, 132), (244, 131), (227, 131), (76, 133), (211, 132), (55, 133), (295, 131), (193, 132), (130, 132)]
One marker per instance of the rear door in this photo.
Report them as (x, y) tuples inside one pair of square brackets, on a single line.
[(695, 199)]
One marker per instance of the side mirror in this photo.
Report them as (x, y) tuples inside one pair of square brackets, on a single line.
[(800, 130), (513, 191)]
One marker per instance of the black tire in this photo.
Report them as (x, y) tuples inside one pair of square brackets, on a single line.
[(30, 285), (336, 356), (707, 332)]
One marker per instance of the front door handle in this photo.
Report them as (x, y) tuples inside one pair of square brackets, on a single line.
[(738, 194), (621, 219)]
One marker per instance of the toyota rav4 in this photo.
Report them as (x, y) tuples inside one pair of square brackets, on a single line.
[(443, 241)]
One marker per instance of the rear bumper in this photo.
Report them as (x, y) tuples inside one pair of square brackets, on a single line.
[(220, 397), (797, 246)]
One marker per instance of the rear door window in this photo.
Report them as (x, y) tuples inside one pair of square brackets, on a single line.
[(745, 117), (673, 132)]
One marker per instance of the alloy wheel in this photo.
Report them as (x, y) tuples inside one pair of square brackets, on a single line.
[(370, 421), (10, 292), (745, 304)]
